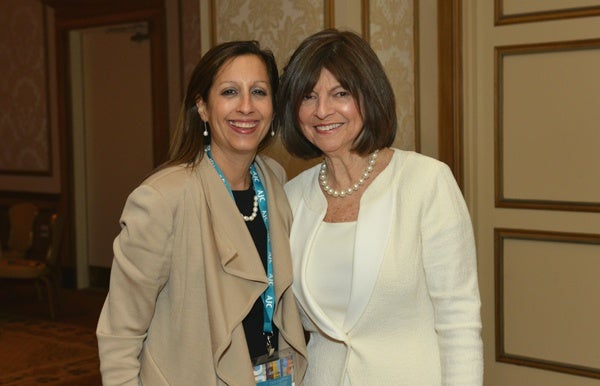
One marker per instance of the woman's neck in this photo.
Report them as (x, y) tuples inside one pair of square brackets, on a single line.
[(345, 170), (353, 171), (235, 168)]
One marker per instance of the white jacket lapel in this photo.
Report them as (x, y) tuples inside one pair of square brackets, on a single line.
[(375, 217), (307, 217), (372, 233)]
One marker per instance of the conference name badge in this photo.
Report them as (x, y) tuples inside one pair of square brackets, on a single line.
[(276, 369)]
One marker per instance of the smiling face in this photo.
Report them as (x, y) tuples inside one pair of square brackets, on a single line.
[(329, 116), (239, 109)]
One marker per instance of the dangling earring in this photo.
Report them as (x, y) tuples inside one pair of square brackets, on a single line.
[(272, 130), (205, 130)]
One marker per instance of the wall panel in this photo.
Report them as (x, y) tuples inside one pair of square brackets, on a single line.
[(539, 105), (518, 11), (531, 268)]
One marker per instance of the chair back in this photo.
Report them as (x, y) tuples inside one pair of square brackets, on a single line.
[(57, 227), (21, 218)]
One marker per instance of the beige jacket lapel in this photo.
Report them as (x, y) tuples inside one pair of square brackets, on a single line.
[(236, 278)]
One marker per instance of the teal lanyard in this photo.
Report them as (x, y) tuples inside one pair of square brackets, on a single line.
[(268, 297)]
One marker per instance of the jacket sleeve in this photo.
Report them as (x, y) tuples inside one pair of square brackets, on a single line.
[(449, 259), (139, 271)]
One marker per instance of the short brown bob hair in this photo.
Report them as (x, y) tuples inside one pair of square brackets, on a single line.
[(355, 65)]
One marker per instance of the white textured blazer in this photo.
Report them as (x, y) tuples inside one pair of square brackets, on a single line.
[(414, 311)]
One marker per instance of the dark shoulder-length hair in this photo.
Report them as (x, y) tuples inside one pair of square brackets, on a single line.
[(355, 65), (188, 141)]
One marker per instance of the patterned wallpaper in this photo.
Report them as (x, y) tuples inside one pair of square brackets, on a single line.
[(391, 27), (24, 129), (278, 25)]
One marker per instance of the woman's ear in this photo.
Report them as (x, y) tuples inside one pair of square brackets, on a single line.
[(202, 109)]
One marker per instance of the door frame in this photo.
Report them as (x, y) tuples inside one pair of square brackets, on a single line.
[(450, 103), (77, 14)]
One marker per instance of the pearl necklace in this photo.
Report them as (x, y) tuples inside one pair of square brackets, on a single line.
[(346, 192), (254, 210)]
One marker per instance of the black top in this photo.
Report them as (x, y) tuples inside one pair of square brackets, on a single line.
[(253, 322)]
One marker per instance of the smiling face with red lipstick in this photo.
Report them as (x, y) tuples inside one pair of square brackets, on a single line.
[(239, 109), (329, 116)]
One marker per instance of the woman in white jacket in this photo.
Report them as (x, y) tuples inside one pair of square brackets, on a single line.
[(382, 243)]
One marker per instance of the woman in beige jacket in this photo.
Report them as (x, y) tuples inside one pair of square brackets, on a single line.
[(201, 277)]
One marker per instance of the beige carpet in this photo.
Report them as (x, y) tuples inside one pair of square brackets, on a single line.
[(43, 352)]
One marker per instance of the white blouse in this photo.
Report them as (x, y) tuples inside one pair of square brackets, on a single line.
[(329, 270)]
